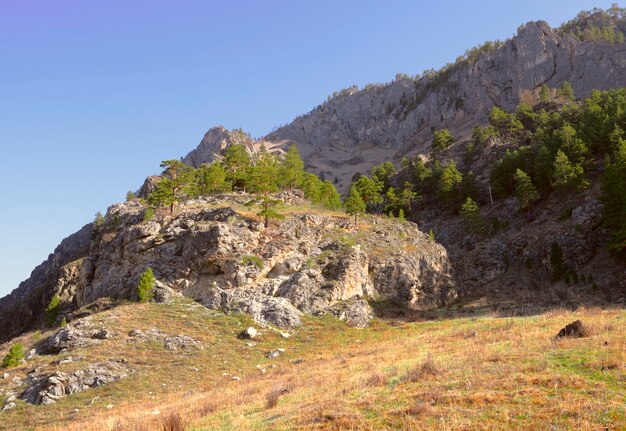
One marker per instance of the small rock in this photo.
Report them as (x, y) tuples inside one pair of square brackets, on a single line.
[(298, 361), (236, 378), (31, 353), (109, 407), (285, 334), (250, 344), (17, 380), (273, 354), (576, 329), (9, 406), (248, 334), (5, 376)]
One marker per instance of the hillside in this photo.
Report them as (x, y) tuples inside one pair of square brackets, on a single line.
[(483, 210), (466, 372)]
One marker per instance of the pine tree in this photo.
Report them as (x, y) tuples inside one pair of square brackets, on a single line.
[(147, 283), (442, 139), (543, 169), (329, 197), (566, 92), (177, 183), (369, 190), (524, 189), (470, 214), (614, 199), (449, 186), (237, 164), (269, 209), (130, 196), (98, 220), (311, 186), (212, 179), (354, 204), (567, 175), (292, 169), (264, 174)]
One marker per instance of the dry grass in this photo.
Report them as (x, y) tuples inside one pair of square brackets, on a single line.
[(461, 374)]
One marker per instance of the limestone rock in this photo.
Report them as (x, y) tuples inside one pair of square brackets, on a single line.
[(48, 388)]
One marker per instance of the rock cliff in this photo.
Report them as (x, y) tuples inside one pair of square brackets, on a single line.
[(217, 253), (359, 128)]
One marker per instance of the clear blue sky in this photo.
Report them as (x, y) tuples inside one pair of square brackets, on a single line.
[(93, 95)]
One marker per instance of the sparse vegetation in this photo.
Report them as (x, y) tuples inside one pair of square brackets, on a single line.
[(147, 283), (14, 357), (52, 310)]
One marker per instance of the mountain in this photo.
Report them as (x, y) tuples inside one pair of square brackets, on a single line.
[(358, 128)]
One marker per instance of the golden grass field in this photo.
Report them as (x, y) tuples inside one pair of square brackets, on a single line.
[(463, 373)]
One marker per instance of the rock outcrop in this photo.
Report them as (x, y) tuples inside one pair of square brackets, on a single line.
[(49, 388), (308, 263)]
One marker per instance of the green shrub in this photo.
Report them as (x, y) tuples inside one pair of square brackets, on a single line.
[(148, 214), (53, 309), (431, 234), (147, 281), (14, 357), (254, 260)]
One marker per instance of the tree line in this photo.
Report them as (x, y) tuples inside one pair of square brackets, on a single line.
[(557, 143), (238, 170)]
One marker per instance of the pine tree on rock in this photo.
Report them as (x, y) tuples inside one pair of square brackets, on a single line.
[(177, 183), (524, 190), (567, 175), (238, 165), (470, 214), (354, 204)]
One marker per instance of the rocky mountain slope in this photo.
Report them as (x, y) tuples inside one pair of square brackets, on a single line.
[(216, 251), (358, 128)]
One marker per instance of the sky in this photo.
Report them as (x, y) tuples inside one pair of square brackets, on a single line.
[(93, 95)]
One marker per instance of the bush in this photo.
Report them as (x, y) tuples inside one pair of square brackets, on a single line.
[(14, 357), (145, 290), (148, 214), (53, 309), (254, 260)]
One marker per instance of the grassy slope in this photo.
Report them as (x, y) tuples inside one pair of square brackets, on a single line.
[(461, 373)]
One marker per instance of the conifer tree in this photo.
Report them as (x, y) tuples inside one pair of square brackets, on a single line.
[(329, 197), (614, 199), (470, 214), (566, 92), (311, 186), (177, 183), (369, 190), (292, 169), (212, 179), (442, 139), (449, 186), (543, 169), (237, 164), (567, 175), (147, 282), (524, 189), (354, 204)]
